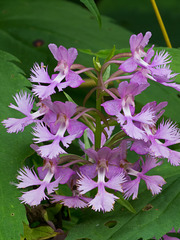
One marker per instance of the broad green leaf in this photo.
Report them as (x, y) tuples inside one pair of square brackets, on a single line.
[(27, 31), (91, 5), (14, 149)]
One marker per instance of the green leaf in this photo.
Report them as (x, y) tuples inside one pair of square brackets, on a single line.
[(69, 98), (14, 149), (106, 74), (111, 54), (97, 64), (125, 203), (86, 140), (41, 233), (91, 5), (104, 53), (27, 31)]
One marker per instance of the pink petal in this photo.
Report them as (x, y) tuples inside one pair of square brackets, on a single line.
[(116, 182), (71, 202), (132, 130), (39, 74), (129, 65), (113, 107), (76, 128), (145, 39), (154, 183), (51, 150), (28, 178), (34, 197), (139, 78), (174, 158), (55, 51), (73, 79), (15, 125), (68, 108), (135, 41), (85, 184), (131, 188), (72, 55), (63, 52), (42, 134), (150, 163), (24, 103), (103, 200), (168, 131), (64, 174), (44, 91)]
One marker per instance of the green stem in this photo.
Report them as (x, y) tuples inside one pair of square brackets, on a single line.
[(98, 107), (98, 120)]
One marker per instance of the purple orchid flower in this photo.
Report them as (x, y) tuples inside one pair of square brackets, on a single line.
[(168, 132), (76, 200), (59, 122), (152, 144), (65, 58), (153, 183), (157, 70), (128, 120), (137, 44), (28, 177), (25, 103), (102, 168)]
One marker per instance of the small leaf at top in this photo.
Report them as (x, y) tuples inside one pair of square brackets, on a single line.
[(91, 5)]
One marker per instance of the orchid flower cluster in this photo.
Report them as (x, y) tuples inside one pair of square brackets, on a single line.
[(103, 171)]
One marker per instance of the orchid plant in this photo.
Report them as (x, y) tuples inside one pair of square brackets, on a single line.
[(105, 134)]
